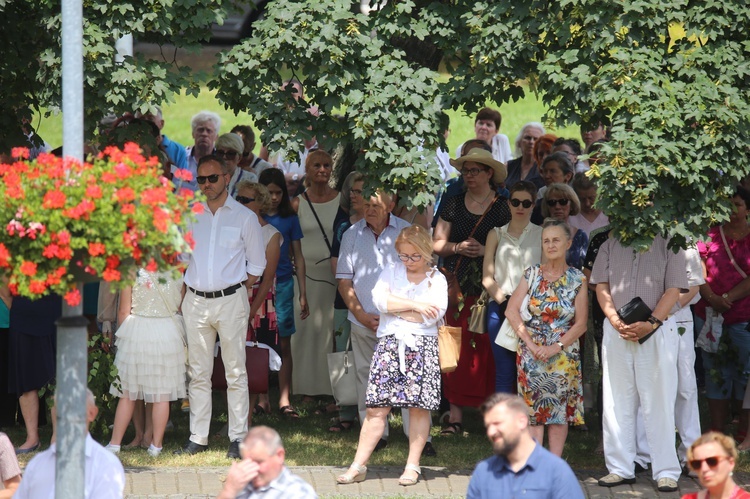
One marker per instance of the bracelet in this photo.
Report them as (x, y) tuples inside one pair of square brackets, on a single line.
[(455, 248)]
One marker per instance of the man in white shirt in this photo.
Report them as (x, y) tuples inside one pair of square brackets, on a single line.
[(104, 475), (228, 253)]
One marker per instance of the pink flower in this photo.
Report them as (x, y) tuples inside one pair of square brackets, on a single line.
[(198, 208), (20, 152), (54, 199)]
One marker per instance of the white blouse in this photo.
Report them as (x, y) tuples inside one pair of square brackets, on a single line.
[(513, 256), (393, 281)]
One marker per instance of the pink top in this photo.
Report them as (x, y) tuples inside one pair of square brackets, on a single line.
[(721, 274), (737, 493)]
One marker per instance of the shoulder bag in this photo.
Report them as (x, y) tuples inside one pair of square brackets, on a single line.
[(455, 296), (449, 347), (343, 375), (507, 336)]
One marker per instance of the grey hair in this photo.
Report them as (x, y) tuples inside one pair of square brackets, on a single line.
[(265, 435), (346, 190), (203, 117), (553, 222), (562, 160), (531, 124)]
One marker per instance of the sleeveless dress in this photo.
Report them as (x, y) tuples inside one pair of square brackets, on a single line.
[(150, 355), (553, 390), (314, 337)]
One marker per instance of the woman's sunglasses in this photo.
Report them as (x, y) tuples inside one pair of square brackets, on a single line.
[(525, 203), (244, 199), (712, 462), (555, 202), (201, 179)]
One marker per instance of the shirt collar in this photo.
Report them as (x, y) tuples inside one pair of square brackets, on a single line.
[(278, 483), (501, 462)]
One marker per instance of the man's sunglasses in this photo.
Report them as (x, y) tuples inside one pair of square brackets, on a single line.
[(525, 203), (712, 462), (201, 179), (244, 199)]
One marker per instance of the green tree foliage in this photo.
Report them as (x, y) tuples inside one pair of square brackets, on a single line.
[(671, 77), (31, 65)]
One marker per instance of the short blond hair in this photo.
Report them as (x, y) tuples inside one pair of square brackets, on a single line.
[(417, 236), (725, 441), (567, 192), (262, 196)]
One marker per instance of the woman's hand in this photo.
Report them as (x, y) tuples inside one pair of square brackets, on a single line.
[(719, 303), (470, 248), (427, 310), (304, 308), (544, 353)]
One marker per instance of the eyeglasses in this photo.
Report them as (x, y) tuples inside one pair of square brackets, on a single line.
[(471, 172), (526, 203), (201, 179), (244, 199), (555, 202), (712, 462), (226, 154), (357, 192), (413, 258)]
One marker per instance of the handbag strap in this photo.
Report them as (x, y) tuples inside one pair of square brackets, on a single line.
[(476, 226), (729, 253), (315, 214)]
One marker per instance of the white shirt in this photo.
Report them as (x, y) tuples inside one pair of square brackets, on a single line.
[(362, 258), (580, 222), (228, 246), (292, 167), (500, 148), (513, 256), (104, 475)]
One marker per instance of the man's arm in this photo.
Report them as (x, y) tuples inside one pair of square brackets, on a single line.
[(240, 474), (346, 289)]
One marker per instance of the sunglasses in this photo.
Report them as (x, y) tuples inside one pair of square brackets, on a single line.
[(201, 179), (526, 203), (472, 172), (244, 199), (555, 202), (413, 258), (226, 154), (712, 462)]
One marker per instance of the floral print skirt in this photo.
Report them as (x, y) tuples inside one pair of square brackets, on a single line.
[(418, 387)]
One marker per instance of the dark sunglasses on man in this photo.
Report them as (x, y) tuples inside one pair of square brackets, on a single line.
[(201, 179)]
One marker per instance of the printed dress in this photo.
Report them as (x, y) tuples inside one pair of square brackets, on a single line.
[(553, 389)]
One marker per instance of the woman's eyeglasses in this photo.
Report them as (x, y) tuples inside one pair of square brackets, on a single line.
[(526, 203), (472, 172), (555, 202), (226, 154), (244, 199), (357, 192), (201, 179), (712, 462), (413, 258)]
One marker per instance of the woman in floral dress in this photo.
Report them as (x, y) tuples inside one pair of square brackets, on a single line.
[(549, 360)]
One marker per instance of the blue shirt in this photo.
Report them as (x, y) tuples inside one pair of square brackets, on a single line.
[(291, 231), (544, 476), (176, 152)]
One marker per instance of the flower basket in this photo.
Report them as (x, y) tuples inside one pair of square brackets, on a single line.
[(64, 222)]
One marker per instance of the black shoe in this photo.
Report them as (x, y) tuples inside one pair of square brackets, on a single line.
[(382, 444), (234, 450), (191, 448), (429, 450), (640, 469)]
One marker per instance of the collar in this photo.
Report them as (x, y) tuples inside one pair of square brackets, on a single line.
[(229, 203), (501, 462), (278, 483), (391, 223)]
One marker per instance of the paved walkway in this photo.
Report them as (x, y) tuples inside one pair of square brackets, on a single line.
[(202, 483)]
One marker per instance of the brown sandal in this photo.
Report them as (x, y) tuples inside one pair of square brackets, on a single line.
[(289, 412)]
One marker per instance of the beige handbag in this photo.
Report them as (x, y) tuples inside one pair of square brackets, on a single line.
[(449, 347), (478, 317)]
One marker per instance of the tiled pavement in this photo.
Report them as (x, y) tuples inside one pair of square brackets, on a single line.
[(195, 483)]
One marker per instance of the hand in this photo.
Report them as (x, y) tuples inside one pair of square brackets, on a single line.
[(427, 310), (240, 474), (636, 331), (370, 321), (544, 353), (719, 303), (470, 248), (304, 308), (618, 324)]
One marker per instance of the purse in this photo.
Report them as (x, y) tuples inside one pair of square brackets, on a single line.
[(507, 336), (455, 296), (709, 336), (633, 311), (449, 347), (478, 318), (256, 364), (343, 375)]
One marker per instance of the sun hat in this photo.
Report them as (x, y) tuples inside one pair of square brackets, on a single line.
[(483, 157)]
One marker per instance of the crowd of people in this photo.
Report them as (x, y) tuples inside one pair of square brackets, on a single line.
[(285, 259)]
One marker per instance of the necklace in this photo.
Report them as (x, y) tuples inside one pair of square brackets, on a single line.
[(550, 276), (481, 203)]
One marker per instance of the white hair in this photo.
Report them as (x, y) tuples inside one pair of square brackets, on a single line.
[(203, 117), (531, 124)]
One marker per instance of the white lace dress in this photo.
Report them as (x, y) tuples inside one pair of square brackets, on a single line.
[(150, 355)]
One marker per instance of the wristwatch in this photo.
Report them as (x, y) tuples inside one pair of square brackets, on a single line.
[(560, 344), (655, 323), (725, 296)]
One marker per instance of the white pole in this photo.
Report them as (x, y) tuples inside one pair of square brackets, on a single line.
[(71, 333)]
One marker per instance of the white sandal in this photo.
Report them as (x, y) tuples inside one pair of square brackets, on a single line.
[(346, 478), (410, 481)]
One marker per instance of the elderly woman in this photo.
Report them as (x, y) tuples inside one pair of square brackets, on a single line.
[(524, 167), (405, 371), (262, 319), (486, 128), (508, 252), (560, 202), (713, 457), (459, 238), (316, 208), (230, 147), (549, 360), (726, 256)]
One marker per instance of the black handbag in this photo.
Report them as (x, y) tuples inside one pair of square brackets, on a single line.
[(635, 311)]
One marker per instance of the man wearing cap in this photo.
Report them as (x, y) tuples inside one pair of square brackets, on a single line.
[(228, 253), (230, 146)]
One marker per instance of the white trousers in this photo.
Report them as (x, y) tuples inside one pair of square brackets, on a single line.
[(364, 342), (205, 318), (686, 412), (640, 375)]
